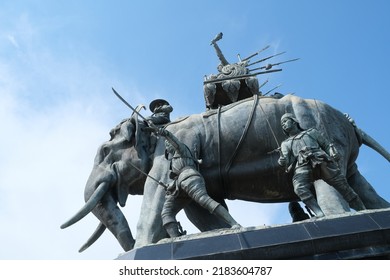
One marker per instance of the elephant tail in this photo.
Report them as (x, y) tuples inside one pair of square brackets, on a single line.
[(373, 144), (367, 140)]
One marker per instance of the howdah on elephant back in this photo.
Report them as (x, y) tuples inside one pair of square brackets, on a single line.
[(237, 145)]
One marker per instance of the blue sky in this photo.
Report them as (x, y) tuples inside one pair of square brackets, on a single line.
[(59, 60)]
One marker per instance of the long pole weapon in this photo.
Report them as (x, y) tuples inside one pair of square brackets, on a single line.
[(134, 110), (256, 53), (276, 140), (332, 150), (269, 66), (272, 131), (264, 59), (151, 124), (151, 177), (240, 76)]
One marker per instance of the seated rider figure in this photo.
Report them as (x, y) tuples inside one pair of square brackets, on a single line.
[(161, 112), (313, 157)]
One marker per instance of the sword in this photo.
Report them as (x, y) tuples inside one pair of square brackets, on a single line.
[(134, 110)]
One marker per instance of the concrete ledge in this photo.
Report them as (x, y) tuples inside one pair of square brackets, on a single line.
[(363, 235)]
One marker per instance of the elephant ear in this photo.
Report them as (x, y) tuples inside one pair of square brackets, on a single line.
[(143, 143), (141, 140)]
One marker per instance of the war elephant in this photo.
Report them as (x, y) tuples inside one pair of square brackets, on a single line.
[(237, 145), (112, 179)]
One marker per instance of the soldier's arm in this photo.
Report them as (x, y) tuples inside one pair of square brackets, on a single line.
[(284, 155), (176, 143), (327, 146), (322, 140)]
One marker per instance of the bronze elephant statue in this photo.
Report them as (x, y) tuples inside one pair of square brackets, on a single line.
[(236, 144)]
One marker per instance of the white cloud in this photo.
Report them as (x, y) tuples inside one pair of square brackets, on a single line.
[(13, 41), (53, 115)]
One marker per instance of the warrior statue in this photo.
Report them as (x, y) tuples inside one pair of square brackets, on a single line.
[(188, 185), (313, 157)]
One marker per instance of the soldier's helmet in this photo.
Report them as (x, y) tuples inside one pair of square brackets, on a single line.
[(291, 117), (157, 102)]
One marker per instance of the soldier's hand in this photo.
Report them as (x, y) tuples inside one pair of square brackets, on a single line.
[(350, 119), (334, 153), (336, 157), (282, 161), (161, 131)]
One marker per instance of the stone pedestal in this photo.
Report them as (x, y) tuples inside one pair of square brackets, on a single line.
[(363, 235)]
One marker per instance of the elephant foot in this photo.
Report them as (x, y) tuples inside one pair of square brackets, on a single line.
[(222, 213), (357, 204), (172, 229), (236, 226), (313, 205), (297, 213), (315, 218)]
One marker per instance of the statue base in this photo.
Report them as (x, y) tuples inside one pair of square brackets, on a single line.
[(362, 235)]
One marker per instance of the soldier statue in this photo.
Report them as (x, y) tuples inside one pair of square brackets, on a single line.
[(188, 185), (313, 157), (161, 111)]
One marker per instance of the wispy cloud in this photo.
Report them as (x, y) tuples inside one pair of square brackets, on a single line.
[(13, 41), (53, 115)]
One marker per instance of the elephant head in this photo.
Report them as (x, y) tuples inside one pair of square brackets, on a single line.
[(115, 175)]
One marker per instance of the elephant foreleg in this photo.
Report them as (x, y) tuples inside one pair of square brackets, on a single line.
[(149, 228)]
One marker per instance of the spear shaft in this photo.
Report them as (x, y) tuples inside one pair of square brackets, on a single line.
[(256, 53), (264, 59), (151, 177), (269, 66)]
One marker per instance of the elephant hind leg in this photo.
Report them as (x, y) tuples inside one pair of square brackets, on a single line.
[(329, 199), (370, 198), (296, 211)]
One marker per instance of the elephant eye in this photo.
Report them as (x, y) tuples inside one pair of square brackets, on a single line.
[(105, 151)]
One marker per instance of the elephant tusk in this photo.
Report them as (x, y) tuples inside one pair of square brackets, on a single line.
[(89, 205), (95, 236)]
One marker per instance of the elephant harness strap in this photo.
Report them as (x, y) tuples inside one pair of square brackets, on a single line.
[(224, 174)]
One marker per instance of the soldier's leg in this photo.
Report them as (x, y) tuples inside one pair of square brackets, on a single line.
[(332, 175), (303, 184), (196, 190), (171, 207), (209, 94)]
